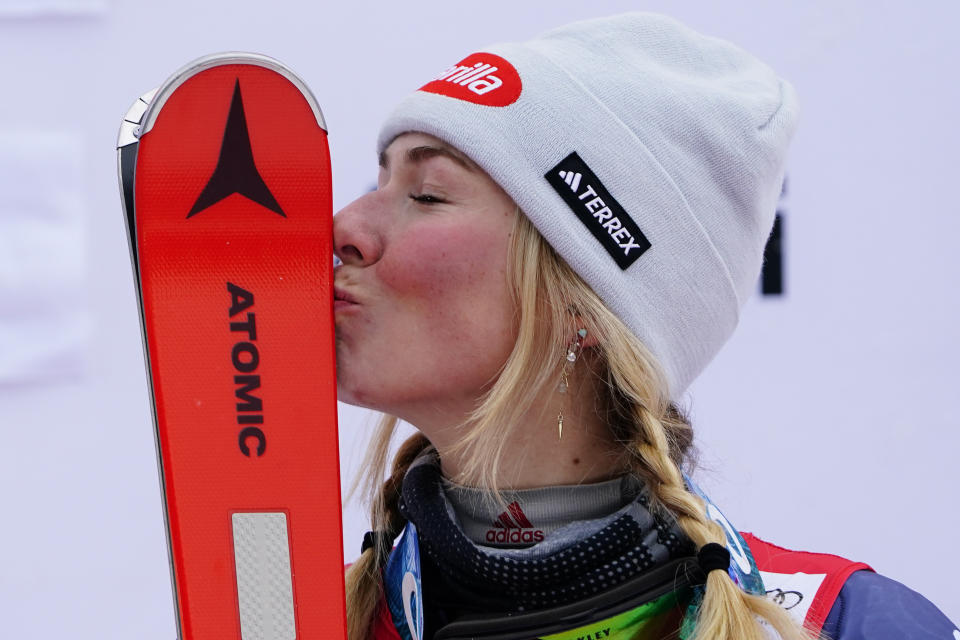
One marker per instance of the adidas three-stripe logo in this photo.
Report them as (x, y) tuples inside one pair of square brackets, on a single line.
[(572, 179), (519, 520)]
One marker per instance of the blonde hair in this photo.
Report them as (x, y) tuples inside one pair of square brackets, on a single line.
[(655, 437)]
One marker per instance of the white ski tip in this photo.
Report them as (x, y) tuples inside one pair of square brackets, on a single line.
[(130, 127)]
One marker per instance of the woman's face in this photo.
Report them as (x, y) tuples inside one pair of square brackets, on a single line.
[(423, 311)]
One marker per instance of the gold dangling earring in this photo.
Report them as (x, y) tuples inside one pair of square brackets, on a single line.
[(564, 382), (573, 350)]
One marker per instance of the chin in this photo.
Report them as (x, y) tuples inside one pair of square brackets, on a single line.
[(346, 394), (353, 395)]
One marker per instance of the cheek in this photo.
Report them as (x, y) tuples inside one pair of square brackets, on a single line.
[(452, 300), (446, 264)]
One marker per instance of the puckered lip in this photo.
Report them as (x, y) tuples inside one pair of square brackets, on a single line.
[(344, 296)]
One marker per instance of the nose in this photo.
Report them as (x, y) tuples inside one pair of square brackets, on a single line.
[(356, 239)]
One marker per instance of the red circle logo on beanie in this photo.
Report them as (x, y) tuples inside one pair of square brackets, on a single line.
[(482, 78)]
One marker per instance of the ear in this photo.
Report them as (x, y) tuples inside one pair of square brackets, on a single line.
[(577, 323), (588, 341)]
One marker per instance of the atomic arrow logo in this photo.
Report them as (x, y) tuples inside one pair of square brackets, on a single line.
[(236, 171)]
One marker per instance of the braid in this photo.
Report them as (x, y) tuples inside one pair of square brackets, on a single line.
[(363, 579), (727, 613), (653, 451), (409, 451), (657, 440)]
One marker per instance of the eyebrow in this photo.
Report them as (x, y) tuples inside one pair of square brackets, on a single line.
[(419, 154)]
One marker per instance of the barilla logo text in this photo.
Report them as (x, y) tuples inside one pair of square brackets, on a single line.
[(512, 526), (481, 78), (598, 210)]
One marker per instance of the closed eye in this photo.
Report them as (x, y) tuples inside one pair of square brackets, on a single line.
[(426, 198)]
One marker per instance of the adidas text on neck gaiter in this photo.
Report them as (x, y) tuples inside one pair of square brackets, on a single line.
[(525, 517)]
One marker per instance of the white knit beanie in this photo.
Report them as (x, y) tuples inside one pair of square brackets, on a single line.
[(649, 156)]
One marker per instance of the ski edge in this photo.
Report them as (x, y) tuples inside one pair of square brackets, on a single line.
[(127, 146)]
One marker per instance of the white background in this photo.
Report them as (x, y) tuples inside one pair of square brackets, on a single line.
[(828, 423)]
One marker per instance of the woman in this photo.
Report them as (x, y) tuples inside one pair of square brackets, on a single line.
[(563, 234)]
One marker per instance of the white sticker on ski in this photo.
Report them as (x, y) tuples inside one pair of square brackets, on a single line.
[(261, 549)]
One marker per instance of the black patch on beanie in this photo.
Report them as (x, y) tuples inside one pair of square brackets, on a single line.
[(771, 277), (598, 210)]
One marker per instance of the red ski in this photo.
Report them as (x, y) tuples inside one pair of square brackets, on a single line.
[(225, 178)]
